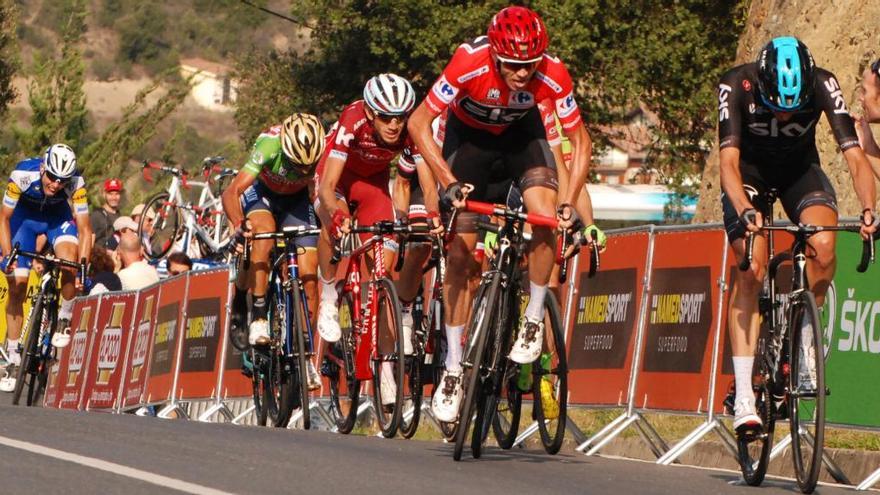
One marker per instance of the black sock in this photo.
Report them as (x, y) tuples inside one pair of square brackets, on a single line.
[(260, 310), (239, 302)]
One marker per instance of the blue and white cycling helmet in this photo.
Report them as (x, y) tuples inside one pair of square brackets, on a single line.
[(60, 161), (785, 74)]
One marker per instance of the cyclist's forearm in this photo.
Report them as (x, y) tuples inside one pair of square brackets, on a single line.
[(401, 196), (731, 179), (5, 234), (580, 166), (85, 238), (862, 176), (419, 127)]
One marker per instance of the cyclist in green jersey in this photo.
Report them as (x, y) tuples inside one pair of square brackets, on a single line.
[(274, 189)]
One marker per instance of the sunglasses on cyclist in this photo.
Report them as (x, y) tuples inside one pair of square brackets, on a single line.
[(388, 118), (518, 66), (875, 67), (54, 178)]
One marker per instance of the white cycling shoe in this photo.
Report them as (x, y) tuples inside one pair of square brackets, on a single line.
[(61, 338), (447, 400), (7, 383), (528, 343), (745, 417), (259, 332), (328, 322), (389, 388)]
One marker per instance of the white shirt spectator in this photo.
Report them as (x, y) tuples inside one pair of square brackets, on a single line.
[(138, 275)]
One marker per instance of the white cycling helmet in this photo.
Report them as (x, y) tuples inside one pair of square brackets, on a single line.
[(60, 161), (389, 94)]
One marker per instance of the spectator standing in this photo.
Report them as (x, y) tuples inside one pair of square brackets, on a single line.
[(137, 273), (102, 219)]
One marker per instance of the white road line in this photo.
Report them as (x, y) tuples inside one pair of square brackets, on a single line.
[(112, 467)]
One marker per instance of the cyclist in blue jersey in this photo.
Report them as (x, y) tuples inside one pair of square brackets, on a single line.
[(44, 195)]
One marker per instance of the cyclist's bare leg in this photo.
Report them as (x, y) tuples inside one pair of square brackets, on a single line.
[(821, 261), (308, 273), (542, 201), (14, 316), (261, 221), (411, 273), (67, 251), (459, 288), (744, 323)]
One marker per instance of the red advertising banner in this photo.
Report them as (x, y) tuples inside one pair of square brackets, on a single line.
[(113, 331), (203, 334), (680, 330), (602, 334), (782, 243), (74, 365), (166, 340), (134, 376)]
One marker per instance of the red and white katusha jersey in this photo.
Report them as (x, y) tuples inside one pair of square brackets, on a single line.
[(473, 88), (353, 139)]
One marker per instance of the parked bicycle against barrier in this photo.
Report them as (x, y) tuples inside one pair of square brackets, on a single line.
[(279, 370), (176, 220), (790, 369), (487, 372), (371, 346), (37, 352)]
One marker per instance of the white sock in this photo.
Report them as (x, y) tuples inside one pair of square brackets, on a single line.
[(328, 291), (453, 347), (742, 373), (535, 309), (66, 309), (12, 345)]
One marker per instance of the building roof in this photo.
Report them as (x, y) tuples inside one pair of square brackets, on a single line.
[(206, 66)]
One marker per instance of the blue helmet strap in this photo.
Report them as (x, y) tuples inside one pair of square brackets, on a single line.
[(789, 80)]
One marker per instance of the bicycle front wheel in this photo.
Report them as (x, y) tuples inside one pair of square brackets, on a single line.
[(158, 238), (280, 373), (550, 382), (806, 391), (30, 360), (508, 401), (301, 353), (388, 366), (339, 366)]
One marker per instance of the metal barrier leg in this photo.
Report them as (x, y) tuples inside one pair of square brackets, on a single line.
[(237, 420), (628, 420), (727, 439), (166, 411), (870, 481), (650, 436), (221, 408), (601, 433), (531, 430), (576, 432), (832, 467), (780, 447), (324, 415)]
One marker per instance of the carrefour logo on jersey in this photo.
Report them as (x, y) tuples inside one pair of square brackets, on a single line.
[(567, 106), (522, 99), (444, 91)]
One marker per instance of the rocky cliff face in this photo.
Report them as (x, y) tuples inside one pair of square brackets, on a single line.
[(844, 37)]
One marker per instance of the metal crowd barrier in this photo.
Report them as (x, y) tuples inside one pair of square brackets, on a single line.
[(629, 333)]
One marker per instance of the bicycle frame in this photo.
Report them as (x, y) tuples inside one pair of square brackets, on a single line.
[(365, 330), (291, 256)]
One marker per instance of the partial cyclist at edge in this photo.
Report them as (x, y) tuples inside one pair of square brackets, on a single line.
[(273, 191), (768, 111), (492, 86), (44, 195)]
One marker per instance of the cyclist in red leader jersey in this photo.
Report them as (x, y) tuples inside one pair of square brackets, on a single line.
[(356, 165), (492, 86)]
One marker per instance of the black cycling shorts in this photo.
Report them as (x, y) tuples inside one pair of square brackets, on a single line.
[(798, 185), (479, 158)]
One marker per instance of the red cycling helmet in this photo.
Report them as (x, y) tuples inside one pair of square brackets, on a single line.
[(517, 35)]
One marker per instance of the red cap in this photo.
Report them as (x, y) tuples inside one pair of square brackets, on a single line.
[(112, 185)]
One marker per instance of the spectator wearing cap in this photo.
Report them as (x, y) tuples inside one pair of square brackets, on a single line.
[(122, 227), (178, 262), (137, 273), (102, 219)]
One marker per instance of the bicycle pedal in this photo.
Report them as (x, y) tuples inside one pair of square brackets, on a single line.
[(750, 432)]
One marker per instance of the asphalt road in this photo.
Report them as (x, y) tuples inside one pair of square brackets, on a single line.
[(52, 451)]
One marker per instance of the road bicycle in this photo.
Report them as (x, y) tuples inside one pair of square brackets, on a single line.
[(790, 365), (486, 369), (37, 353), (279, 370), (199, 229), (371, 344)]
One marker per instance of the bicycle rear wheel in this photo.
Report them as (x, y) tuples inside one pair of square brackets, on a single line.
[(472, 363), (412, 395), (550, 379), (508, 405), (301, 353), (806, 391), (388, 368), (158, 239), (339, 368), (30, 360)]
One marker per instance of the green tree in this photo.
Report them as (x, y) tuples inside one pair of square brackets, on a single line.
[(9, 61), (56, 92)]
